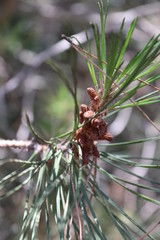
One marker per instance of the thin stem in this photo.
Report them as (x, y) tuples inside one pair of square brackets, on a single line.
[(28, 144)]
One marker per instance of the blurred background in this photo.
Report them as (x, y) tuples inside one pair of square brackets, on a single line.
[(30, 33)]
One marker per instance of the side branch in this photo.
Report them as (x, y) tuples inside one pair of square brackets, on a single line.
[(28, 144)]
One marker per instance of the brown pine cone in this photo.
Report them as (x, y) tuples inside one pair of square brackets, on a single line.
[(79, 133), (95, 122), (84, 108), (92, 93), (88, 114), (108, 137)]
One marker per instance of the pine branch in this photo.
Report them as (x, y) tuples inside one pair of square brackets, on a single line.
[(22, 144)]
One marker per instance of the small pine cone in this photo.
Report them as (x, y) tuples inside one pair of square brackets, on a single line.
[(95, 122), (108, 137), (95, 151), (102, 129), (92, 93), (79, 133), (84, 108), (88, 114)]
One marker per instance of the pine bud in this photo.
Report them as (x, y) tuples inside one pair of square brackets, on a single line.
[(108, 137), (92, 93), (88, 114), (95, 122), (84, 108)]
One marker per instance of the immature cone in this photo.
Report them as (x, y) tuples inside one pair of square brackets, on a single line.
[(84, 108), (88, 114), (92, 93), (79, 133), (108, 137), (95, 122), (95, 100), (93, 130)]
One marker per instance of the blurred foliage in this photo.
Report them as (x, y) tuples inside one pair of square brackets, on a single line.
[(57, 111)]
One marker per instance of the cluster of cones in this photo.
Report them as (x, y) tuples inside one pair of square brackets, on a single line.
[(93, 130)]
